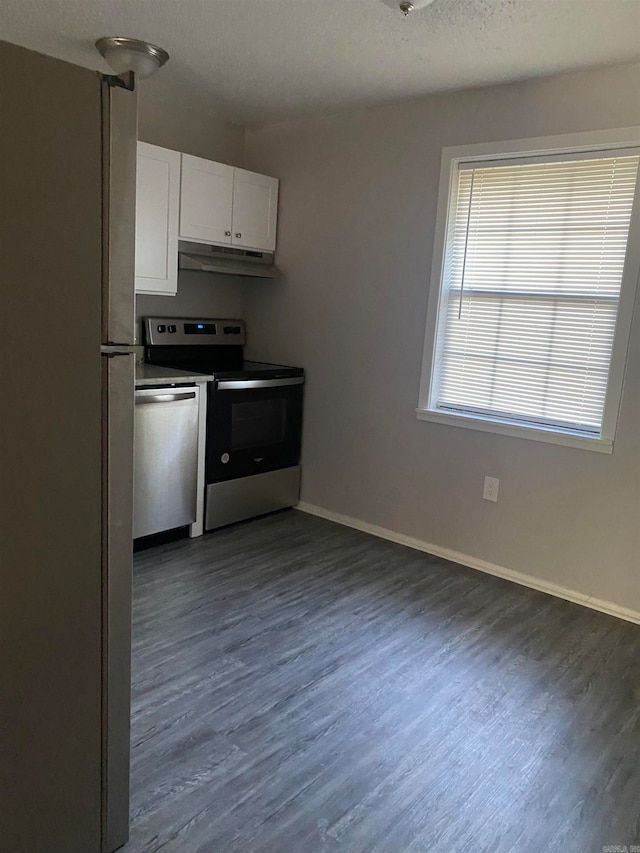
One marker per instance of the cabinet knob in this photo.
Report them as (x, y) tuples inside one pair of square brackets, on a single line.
[(227, 233), (238, 234)]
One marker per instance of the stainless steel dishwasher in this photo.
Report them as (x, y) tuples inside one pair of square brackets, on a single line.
[(165, 458)]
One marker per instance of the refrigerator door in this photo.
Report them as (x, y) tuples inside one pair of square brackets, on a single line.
[(119, 122), (117, 496), (120, 131)]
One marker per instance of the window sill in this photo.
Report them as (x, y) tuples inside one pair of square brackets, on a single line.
[(550, 436)]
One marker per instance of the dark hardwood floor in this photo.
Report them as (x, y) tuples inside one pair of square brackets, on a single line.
[(300, 687)]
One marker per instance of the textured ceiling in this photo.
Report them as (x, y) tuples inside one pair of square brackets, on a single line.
[(262, 60)]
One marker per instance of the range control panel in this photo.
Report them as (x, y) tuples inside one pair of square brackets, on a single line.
[(192, 330)]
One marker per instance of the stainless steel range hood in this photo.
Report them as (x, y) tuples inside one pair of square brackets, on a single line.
[(228, 260)]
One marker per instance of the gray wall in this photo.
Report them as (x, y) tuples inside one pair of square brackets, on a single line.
[(203, 135), (357, 213), (191, 131)]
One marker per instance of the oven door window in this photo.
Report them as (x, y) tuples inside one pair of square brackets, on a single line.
[(258, 423), (252, 431)]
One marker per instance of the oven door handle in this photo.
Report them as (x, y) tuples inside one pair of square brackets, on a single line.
[(249, 384)]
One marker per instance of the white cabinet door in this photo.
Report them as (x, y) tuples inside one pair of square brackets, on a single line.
[(157, 200), (206, 196), (255, 210)]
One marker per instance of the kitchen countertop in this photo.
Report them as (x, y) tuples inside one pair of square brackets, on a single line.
[(152, 374)]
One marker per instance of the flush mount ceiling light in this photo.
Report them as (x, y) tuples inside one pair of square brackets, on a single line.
[(125, 54)]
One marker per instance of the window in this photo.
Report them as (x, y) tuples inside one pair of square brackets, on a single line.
[(532, 290)]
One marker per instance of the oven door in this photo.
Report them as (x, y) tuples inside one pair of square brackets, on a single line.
[(253, 426)]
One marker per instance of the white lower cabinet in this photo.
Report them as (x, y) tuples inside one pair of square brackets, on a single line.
[(157, 211)]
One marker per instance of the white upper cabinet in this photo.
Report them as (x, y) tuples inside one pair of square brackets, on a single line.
[(157, 205), (206, 199), (255, 210), (183, 197), (223, 205)]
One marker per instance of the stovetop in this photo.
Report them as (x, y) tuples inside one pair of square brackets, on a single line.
[(248, 370), (260, 370)]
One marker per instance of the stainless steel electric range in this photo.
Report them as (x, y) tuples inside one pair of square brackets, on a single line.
[(254, 415)]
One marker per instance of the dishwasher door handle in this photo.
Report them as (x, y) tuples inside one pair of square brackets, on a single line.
[(164, 398)]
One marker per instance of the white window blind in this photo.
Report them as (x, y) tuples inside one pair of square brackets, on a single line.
[(532, 276)]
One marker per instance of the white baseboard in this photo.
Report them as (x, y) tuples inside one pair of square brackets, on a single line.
[(474, 563)]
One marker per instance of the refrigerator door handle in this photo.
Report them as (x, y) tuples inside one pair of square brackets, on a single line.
[(116, 349)]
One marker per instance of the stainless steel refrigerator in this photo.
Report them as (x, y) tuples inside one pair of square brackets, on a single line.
[(67, 196)]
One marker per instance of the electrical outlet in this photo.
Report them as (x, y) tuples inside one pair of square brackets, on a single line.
[(490, 491)]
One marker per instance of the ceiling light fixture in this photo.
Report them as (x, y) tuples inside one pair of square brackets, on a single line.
[(407, 6), (126, 54)]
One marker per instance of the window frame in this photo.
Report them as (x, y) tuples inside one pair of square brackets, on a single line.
[(602, 141)]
